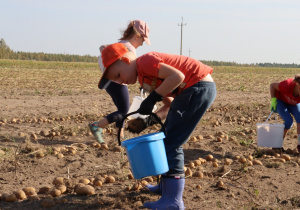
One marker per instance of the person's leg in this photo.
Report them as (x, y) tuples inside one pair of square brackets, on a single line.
[(284, 112), (120, 96), (185, 113), (295, 111)]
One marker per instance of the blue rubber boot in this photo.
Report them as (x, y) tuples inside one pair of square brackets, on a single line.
[(154, 188), (171, 199), (96, 131)]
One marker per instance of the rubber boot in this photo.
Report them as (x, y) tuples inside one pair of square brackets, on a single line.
[(154, 188), (171, 199)]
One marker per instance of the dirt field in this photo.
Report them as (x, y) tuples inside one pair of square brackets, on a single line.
[(44, 112)]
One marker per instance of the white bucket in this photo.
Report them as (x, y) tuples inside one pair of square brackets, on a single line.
[(135, 105), (270, 135)]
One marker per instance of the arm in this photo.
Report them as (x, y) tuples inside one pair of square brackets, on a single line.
[(172, 79), (163, 111), (273, 88)]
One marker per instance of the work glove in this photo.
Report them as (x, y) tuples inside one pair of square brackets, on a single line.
[(149, 102), (273, 104), (139, 124)]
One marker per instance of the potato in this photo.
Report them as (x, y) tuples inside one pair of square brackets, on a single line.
[(191, 165), (215, 164), (198, 186), (257, 162), (84, 181), (198, 174), (58, 181), (220, 185), (62, 188), (55, 193), (44, 190), (209, 157), (136, 186), (78, 186), (11, 198), (227, 161), (149, 179), (110, 179), (250, 157), (130, 176), (197, 162), (242, 160), (48, 203), (144, 182), (29, 191), (286, 157), (188, 172), (86, 190), (20, 194), (4, 196), (97, 182)]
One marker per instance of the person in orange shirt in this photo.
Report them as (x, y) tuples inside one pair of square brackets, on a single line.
[(166, 76)]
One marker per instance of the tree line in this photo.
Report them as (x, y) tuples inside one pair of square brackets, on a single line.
[(7, 53)]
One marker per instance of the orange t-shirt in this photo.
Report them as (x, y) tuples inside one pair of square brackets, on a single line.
[(148, 64)]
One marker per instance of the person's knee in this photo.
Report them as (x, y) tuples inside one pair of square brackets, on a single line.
[(288, 124)]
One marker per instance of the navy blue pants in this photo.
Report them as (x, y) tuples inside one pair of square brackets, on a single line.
[(120, 96), (185, 113), (286, 111)]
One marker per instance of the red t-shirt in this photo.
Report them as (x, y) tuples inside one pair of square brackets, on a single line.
[(285, 93), (148, 64)]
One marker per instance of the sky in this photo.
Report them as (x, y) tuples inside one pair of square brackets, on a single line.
[(240, 31)]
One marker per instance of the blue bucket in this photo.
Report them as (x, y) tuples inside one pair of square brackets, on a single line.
[(147, 155)]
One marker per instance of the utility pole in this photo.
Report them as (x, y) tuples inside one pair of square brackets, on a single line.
[(181, 35)]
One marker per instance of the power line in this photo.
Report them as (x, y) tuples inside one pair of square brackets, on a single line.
[(181, 35)]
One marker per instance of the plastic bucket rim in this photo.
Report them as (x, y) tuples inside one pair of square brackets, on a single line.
[(145, 138)]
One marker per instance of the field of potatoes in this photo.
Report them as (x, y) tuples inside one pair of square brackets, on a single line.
[(48, 157)]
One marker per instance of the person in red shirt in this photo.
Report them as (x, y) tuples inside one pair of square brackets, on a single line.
[(285, 100), (166, 77)]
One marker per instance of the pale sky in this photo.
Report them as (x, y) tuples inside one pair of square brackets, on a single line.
[(240, 31)]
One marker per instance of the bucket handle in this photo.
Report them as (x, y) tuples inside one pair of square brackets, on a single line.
[(153, 114), (269, 117)]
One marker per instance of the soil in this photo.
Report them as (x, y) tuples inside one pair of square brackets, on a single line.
[(35, 129)]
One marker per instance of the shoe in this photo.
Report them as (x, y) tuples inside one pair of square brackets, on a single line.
[(172, 191), (96, 131), (278, 150), (298, 147)]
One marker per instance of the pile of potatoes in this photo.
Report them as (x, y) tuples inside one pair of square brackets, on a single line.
[(51, 195)]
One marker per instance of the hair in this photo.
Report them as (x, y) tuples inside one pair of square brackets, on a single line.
[(297, 78), (129, 32)]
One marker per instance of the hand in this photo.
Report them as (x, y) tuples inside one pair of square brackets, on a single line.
[(139, 124), (149, 102), (273, 104)]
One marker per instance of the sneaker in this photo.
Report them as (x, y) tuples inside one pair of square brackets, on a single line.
[(96, 131)]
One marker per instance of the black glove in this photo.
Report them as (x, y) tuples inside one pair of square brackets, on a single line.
[(139, 124), (149, 102)]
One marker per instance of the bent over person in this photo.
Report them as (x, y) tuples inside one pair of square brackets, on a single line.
[(166, 76)]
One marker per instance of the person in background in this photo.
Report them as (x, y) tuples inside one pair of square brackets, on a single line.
[(166, 76), (285, 100), (133, 36)]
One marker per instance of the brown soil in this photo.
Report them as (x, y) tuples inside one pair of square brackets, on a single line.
[(273, 185)]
